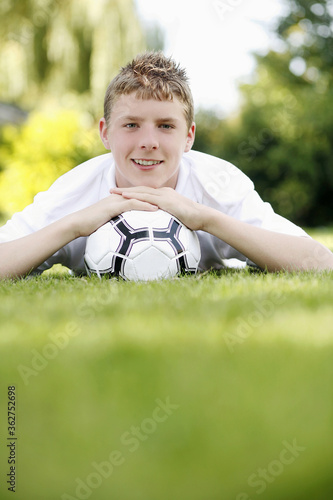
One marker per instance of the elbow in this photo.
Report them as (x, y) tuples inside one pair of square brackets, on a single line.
[(309, 256), (317, 258)]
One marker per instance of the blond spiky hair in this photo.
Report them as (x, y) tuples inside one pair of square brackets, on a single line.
[(151, 75)]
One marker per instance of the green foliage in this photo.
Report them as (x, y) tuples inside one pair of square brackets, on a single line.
[(283, 136), (100, 353), (36, 154), (56, 47)]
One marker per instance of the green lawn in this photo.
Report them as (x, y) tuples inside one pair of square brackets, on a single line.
[(215, 387)]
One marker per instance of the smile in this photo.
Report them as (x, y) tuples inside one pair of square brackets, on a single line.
[(147, 163)]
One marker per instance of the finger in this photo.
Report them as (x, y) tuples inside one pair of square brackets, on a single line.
[(145, 197), (141, 205), (135, 189)]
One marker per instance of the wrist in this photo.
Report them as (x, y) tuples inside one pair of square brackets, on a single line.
[(72, 227), (208, 219)]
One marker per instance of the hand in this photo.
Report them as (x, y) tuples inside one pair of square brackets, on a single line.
[(187, 211), (89, 219), (18, 257)]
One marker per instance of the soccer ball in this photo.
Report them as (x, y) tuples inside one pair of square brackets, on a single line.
[(142, 246)]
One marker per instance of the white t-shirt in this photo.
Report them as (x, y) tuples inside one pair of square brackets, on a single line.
[(203, 178)]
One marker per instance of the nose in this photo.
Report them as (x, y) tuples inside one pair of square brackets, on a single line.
[(148, 140)]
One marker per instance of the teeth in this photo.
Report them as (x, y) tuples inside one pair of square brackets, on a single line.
[(147, 163)]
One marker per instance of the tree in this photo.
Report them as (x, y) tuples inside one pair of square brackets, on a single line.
[(54, 47), (283, 136)]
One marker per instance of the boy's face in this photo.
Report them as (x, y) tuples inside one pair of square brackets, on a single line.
[(147, 139)]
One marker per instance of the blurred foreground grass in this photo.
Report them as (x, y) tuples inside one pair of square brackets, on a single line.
[(202, 388)]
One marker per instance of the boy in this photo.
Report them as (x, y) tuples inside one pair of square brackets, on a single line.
[(148, 125)]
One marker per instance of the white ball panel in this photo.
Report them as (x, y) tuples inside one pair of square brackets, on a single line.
[(192, 261), (152, 264), (193, 245), (105, 263), (91, 265), (138, 247), (172, 268), (103, 240), (129, 271)]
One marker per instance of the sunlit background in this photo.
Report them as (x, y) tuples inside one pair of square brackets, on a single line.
[(260, 73), (214, 40)]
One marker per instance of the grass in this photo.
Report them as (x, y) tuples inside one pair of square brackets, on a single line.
[(191, 389)]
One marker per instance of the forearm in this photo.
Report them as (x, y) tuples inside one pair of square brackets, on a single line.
[(21, 256), (269, 250)]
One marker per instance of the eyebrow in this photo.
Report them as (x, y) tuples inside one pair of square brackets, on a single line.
[(130, 118), (168, 119), (138, 119)]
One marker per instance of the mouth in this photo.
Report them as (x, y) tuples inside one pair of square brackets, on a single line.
[(146, 164)]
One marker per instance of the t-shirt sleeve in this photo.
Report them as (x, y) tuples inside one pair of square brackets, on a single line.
[(228, 189), (221, 185), (77, 189), (18, 227)]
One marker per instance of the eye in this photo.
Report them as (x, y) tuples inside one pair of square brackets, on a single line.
[(130, 125), (166, 126)]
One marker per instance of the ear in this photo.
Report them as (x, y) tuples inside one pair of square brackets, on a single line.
[(103, 132), (190, 138)]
